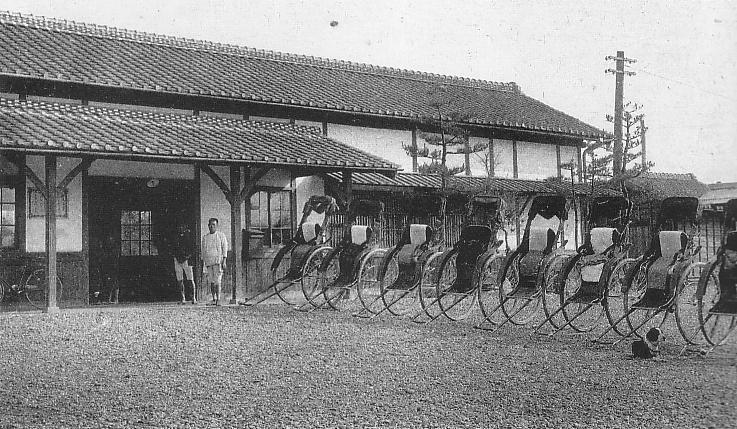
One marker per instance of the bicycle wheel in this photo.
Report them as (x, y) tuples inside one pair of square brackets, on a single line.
[(715, 327), (551, 296), (368, 287), (3, 288), (613, 302), (640, 321), (581, 316), (35, 288), (686, 308), (518, 309), (427, 292), (398, 301), (337, 297), (455, 304), (312, 281), (488, 289)]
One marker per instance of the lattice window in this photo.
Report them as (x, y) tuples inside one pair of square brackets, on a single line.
[(7, 216), (271, 213), (136, 238)]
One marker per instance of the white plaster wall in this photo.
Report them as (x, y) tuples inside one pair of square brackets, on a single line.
[(571, 228), (478, 167), (383, 143), (213, 202), (536, 161), (317, 125), (503, 158), (451, 160), (68, 230), (276, 178), (268, 119), (114, 168), (307, 187)]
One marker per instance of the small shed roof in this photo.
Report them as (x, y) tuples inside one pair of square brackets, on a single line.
[(405, 181), (86, 130), (658, 186)]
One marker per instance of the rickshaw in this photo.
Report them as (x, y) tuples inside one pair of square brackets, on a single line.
[(526, 269), (461, 269), (306, 250), (403, 268), (716, 295), (656, 279), (351, 261), (586, 278)]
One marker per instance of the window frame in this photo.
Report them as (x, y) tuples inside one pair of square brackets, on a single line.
[(269, 230), (152, 249), (18, 183)]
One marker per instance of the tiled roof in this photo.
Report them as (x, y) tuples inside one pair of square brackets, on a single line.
[(41, 126), (718, 196), (721, 185), (65, 51), (665, 185), (467, 183)]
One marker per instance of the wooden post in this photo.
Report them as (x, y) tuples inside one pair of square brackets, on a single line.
[(414, 150), (490, 171), (236, 236), (557, 161), (246, 247), (348, 186), (51, 304), (618, 108), (515, 166)]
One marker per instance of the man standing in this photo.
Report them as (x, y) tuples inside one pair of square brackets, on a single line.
[(183, 251), (214, 254)]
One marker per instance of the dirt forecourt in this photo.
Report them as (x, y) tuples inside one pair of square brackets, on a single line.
[(269, 366)]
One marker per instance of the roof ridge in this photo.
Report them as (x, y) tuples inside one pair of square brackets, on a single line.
[(95, 30)]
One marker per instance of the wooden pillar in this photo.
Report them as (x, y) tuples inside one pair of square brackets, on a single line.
[(197, 258), (236, 237), (348, 186), (467, 157), (490, 170), (557, 161), (246, 201), (51, 302), (515, 166), (414, 150)]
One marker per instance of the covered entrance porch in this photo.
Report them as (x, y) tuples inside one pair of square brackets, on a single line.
[(90, 174)]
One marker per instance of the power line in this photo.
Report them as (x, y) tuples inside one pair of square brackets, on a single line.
[(683, 83)]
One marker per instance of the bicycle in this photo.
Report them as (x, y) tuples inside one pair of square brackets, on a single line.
[(31, 285)]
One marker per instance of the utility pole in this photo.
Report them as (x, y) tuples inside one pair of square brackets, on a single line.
[(643, 147), (619, 73)]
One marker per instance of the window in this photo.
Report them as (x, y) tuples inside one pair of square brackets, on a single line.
[(37, 203), (135, 234), (12, 199), (7, 218), (271, 213)]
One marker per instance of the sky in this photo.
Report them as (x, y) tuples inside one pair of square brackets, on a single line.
[(686, 52)]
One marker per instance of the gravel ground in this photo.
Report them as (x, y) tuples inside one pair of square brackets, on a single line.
[(269, 366)]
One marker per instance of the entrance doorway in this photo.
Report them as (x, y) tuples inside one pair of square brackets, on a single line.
[(132, 226)]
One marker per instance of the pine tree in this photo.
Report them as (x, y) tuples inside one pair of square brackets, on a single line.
[(601, 165), (445, 136)]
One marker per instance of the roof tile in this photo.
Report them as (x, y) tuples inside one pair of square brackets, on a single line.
[(40, 47), (81, 128)]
